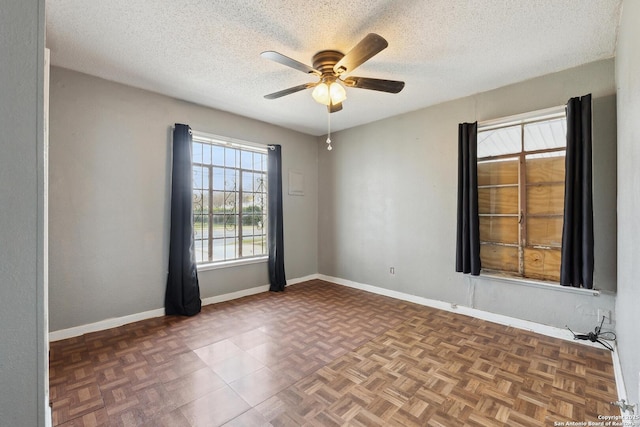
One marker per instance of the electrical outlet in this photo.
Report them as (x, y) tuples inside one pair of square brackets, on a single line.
[(607, 316), (392, 270)]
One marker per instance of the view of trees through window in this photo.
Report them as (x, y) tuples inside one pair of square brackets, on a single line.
[(229, 201)]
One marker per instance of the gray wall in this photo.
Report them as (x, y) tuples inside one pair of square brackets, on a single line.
[(23, 355), (109, 198), (388, 198), (627, 304)]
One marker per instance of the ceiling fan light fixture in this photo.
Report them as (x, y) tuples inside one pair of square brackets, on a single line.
[(329, 93), (321, 94), (337, 93)]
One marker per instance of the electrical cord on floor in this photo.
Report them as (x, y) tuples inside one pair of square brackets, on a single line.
[(597, 336)]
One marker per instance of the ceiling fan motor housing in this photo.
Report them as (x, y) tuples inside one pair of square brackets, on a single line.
[(324, 61)]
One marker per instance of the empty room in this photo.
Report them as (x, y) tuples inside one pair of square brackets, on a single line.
[(373, 213)]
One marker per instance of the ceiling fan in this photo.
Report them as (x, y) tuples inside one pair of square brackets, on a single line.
[(331, 66)]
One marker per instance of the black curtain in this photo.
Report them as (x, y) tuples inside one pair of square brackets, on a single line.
[(468, 235), (275, 236), (183, 292), (576, 267)]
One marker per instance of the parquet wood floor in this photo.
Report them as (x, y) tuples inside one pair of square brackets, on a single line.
[(321, 354)]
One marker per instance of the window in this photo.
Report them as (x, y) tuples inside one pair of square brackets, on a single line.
[(229, 200), (521, 196)]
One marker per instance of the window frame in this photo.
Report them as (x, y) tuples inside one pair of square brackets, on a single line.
[(209, 238), (523, 213)]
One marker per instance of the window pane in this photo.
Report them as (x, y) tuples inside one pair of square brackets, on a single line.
[(544, 231), (205, 178), (259, 182), (205, 202), (246, 160), (546, 134), (218, 155), (501, 141), (256, 209), (496, 257), (230, 249), (197, 201), (252, 246), (257, 161), (218, 226), (230, 229), (499, 229), (259, 201), (500, 200), (247, 201), (230, 214), (205, 251), (498, 172), (218, 202), (247, 181), (542, 264), (549, 168), (198, 226), (248, 220), (218, 178), (230, 207), (263, 162), (197, 177), (230, 180), (206, 154), (204, 227), (200, 255), (230, 157), (545, 199), (197, 152), (218, 249), (256, 250)]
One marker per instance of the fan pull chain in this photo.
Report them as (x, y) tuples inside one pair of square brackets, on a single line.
[(329, 147)]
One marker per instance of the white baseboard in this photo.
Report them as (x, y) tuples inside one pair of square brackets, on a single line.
[(617, 372), (119, 321), (48, 420), (235, 295), (303, 279), (103, 324)]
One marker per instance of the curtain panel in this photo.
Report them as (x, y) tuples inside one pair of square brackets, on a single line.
[(183, 291), (468, 231), (576, 267), (275, 234)]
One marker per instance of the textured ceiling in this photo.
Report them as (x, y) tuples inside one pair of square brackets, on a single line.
[(208, 51)]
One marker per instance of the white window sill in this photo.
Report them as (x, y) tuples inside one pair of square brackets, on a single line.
[(535, 283), (232, 263)]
